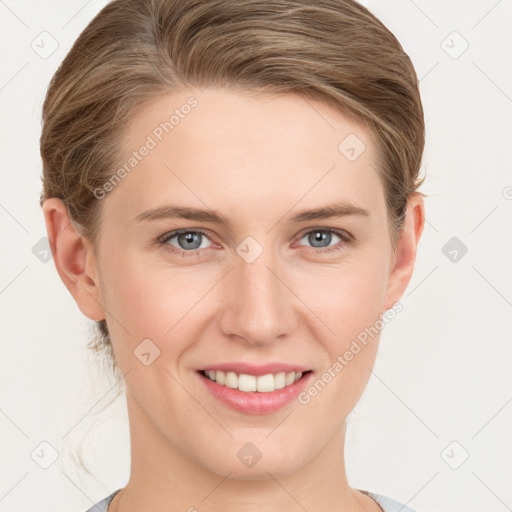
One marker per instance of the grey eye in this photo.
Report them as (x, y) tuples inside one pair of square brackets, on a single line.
[(320, 238), (187, 240)]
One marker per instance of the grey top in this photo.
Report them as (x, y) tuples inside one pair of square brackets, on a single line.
[(387, 504)]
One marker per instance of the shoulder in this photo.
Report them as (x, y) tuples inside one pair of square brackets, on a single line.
[(387, 504), (102, 506)]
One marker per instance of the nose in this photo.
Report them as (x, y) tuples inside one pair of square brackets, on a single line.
[(258, 307)]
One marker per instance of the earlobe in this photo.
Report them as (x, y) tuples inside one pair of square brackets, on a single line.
[(74, 259), (407, 246)]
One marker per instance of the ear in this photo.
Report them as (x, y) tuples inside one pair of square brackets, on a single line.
[(402, 262), (73, 256)]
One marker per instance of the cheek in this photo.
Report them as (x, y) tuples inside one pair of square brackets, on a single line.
[(349, 303), (153, 301), (347, 298)]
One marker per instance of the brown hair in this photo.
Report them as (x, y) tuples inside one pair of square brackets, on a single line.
[(334, 51)]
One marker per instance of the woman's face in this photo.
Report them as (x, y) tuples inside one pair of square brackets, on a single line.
[(269, 290)]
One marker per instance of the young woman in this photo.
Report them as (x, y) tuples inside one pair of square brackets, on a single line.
[(230, 191)]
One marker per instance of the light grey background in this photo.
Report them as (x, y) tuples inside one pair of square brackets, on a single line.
[(441, 389)]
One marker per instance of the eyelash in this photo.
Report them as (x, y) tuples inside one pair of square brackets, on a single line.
[(345, 239)]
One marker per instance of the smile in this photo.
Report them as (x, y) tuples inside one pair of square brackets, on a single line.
[(250, 383), (255, 389)]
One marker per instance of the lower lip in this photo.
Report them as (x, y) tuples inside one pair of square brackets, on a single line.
[(253, 402)]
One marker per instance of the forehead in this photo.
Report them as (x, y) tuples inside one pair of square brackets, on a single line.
[(231, 149), (249, 117)]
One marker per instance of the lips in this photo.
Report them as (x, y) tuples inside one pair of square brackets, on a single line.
[(255, 389)]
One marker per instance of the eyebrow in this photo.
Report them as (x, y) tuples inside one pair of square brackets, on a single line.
[(338, 209)]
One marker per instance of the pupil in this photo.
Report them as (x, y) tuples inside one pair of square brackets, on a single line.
[(189, 238), (320, 236)]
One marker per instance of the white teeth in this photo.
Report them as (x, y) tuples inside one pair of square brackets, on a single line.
[(244, 382), (264, 383), (220, 377), (279, 380), (290, 379), (231, 380)]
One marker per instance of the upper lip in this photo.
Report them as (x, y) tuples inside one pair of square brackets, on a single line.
[(256, 369)]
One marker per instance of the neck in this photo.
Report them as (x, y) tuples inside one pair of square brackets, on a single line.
[(162, 474)]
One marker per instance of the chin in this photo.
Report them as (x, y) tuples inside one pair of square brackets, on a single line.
[(246, 462)]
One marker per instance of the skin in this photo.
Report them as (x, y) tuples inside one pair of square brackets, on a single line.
[(257, 160)]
